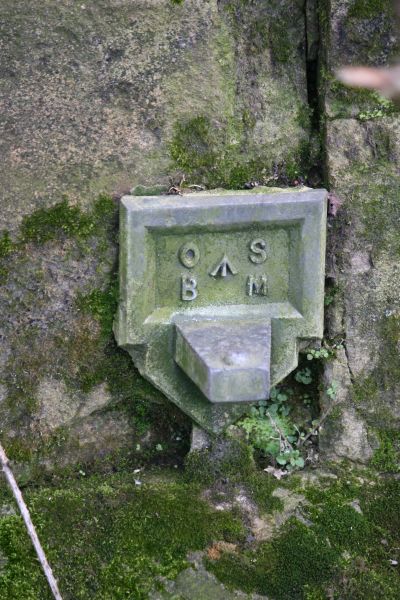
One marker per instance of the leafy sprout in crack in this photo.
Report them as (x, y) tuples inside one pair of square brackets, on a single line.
[(304, 376)]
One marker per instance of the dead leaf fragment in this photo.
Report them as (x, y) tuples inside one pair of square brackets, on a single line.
[(278, 473), (218, 548), (334, 204)]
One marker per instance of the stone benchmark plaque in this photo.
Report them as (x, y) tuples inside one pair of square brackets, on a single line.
[(217, 291)]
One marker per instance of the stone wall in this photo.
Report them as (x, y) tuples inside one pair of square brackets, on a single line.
[(362, 162), (100, 96)]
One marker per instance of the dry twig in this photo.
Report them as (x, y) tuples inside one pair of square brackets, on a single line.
[(29, 525)]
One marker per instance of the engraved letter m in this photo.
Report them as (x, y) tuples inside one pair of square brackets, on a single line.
[(257, 286)]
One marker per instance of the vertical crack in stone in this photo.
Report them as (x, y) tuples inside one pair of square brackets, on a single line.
[(312, 43), (315, 102), (348, 362)]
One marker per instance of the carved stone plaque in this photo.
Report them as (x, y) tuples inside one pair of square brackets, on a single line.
[(200, 269)]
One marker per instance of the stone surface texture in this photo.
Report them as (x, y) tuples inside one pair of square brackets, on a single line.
[(363, 159), (100, 96), (229, 361)]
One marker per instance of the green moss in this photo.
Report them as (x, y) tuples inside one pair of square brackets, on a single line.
[(229, 462), (23, 373), (18, 450), (7, 247), (61, 220), (304, 115), (384, 377), (112, 365), (280, 43), (365, 389), (368, 9), (226, 458), (381, 506), (121, 536), (260, 488), (149, 190), (270, 28), (358, 583), (387, 457), (361, 104), (390, 335), (100, 361), (105, 210), (379, 209), (21, 577), (375, 201), (345, 528), (6, 244), (195, 144), (101, 304), (215, 155), (85, 355), (281, 568), (353, 528)]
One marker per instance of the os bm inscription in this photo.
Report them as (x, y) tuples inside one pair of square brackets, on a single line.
[(245, 266)]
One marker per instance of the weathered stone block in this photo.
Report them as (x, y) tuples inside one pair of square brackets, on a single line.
[(220, 266), (228, 360)]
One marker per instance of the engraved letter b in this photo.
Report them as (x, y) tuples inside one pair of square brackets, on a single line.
[(188, 288)]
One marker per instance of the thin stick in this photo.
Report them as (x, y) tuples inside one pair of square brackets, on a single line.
[(317, 426), (29, 525), (279, 430)]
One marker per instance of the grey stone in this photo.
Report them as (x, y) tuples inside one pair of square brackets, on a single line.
[(91, 105), (363, 160), (228, 360), (200, 439), (91, 98), (202, 261), (196, 583)]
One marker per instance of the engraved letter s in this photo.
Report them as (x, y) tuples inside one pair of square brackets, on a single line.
[(258, 248)]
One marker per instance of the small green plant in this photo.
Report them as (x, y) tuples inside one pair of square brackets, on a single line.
[(332, 390), (324, 353), (385, 108), (304, 376), (269, 429), (320, 353), (291, 458)]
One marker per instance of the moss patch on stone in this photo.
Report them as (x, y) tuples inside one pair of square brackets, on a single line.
[(214, 154), (76, 352), (48, 224), (343, 548), (364, 105), (109, 538), (281, 568), (386, 458), (385, 376), (125, 538), (7, 246), (368, 9)]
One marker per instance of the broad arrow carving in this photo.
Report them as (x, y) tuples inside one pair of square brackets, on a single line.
[(221, 269)]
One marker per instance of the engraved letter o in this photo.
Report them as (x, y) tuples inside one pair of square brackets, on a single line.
[(189, 254)]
